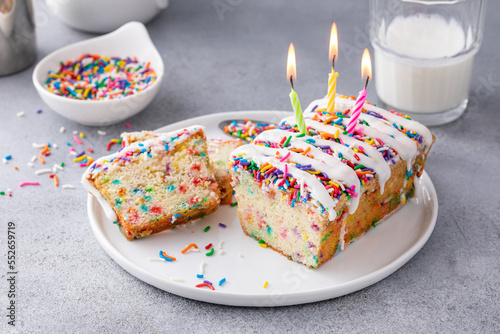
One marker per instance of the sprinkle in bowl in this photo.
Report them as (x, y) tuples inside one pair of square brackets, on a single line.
[(131, 40)]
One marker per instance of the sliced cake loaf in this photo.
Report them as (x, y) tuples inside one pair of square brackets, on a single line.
[(156, 184), (308, 195)]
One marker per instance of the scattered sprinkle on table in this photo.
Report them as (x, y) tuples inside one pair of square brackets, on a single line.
[(20, 114), (234, 203), (265, 284), (207, 228), (56, 181), (222, 225), (211, 252), (28, 183), (222, 281), (95, 77), (43, 171)]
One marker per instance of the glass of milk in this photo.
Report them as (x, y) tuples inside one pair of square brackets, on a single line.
[(424, 51)]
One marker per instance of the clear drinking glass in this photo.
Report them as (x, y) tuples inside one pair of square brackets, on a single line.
[(424, 52)]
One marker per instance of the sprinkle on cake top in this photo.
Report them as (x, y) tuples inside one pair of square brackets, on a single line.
[(328, 163), (146, 149)]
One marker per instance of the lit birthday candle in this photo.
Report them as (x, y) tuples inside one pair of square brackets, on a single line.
[(294, 98), (366, 71), (332, 78)]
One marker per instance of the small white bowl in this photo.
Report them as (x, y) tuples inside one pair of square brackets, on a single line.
[(132, 39)]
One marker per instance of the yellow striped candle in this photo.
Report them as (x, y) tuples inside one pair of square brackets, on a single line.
[(332, 78), (332, 91)]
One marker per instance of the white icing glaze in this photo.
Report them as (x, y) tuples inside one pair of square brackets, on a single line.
[(373, 158), (328, 164), (399, 145), (156, 145), (342, 104), (262, 154)]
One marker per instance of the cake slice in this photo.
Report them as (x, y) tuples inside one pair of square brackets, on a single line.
[(156, 184), (309, 195), (218, 154), (219, 151)]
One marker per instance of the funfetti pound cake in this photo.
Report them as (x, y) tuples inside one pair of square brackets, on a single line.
[(156, 184), (307, 196), (219, 151), (218, 154)]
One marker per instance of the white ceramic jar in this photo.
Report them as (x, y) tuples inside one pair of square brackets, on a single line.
[(102, 16)]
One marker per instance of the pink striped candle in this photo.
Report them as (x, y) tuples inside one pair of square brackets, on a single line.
[(366, 72), (360, 101)]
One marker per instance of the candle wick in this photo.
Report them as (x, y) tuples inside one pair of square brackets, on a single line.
[(291, 81), (367, 79), (333, 62)]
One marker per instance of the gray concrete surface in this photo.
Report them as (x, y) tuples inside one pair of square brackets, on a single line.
[(66, 283)]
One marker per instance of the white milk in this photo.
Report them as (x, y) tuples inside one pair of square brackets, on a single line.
[(428, 74)]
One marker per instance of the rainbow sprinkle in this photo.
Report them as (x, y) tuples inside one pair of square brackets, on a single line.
[(295, 193), (94, 77), (247, 130)]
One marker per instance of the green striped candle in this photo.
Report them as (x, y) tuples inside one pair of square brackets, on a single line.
[(299, 116), (294, 98)]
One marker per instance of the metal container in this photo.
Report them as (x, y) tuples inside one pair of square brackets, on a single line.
[(17, 35)]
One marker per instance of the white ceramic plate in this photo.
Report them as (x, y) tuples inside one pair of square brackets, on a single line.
[(247, 266)]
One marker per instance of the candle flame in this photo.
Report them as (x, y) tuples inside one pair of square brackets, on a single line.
[(366, 65), (290, 64), (334, 43)]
